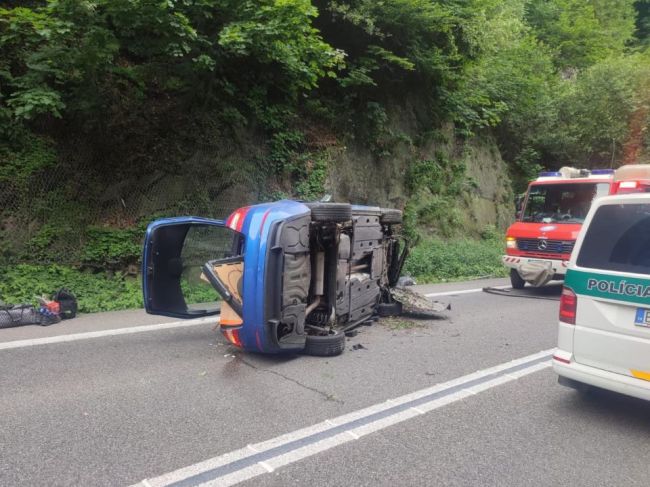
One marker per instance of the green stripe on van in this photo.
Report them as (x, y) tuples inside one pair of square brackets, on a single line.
[(630, 289)]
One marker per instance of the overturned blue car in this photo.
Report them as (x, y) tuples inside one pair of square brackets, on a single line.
[(291, 276)]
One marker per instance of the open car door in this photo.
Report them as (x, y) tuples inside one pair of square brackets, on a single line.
[(182, 267)]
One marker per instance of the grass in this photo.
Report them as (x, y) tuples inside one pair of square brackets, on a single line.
[(437, 260), (95, 291)]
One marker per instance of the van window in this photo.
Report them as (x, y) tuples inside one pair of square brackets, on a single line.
[(618, 239)]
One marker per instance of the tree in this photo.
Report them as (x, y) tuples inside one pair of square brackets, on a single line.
[(582, 32)]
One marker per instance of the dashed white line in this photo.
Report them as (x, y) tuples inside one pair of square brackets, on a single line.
[(261, 458), (106, 333)]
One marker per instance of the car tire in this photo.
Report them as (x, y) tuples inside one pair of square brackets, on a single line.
[(389, 309), (325, 346), (390, 216), (330, 212), (516, 280)]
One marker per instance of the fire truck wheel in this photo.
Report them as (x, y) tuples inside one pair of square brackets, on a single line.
[(325, 346), (516, 280)]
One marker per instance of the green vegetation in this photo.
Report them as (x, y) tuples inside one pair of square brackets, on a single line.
[(112, 111), (94, 291), (436, 260)]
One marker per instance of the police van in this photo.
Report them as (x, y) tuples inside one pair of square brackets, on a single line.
[(604, 322)]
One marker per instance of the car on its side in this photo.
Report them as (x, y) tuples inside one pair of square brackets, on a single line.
[(604, 322), (292, 276)]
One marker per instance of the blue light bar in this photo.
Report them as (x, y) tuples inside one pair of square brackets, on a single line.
[(597, 172), (550, 174)]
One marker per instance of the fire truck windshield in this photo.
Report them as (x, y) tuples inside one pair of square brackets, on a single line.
[(561, 203)]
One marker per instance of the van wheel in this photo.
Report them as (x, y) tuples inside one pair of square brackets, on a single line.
[(325, 346), (516, 280), (330, 212)]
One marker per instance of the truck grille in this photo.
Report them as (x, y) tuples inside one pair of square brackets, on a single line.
[(545, 246)]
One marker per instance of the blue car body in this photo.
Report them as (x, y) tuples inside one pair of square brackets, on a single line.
[(270, 304)]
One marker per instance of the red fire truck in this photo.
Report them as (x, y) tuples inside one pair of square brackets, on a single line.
[(539, 243)]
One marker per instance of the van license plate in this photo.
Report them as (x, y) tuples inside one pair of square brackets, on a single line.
[(642, 317)]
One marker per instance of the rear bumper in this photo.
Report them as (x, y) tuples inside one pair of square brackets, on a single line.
[(514, 261), (611, 381)]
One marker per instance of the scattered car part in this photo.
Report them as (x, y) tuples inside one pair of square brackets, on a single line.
[(414, 303), (389, 309)]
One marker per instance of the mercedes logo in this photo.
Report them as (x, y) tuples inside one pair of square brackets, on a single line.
[(542, 245)]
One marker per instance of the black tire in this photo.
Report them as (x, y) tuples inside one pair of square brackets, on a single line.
[(325, 346), (330, 212), (390, 216), (516, 280), (389, 309)]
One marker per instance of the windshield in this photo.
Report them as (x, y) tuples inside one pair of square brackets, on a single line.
[(561, 203)]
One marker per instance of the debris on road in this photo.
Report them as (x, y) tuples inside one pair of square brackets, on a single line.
[(418, 305), (405, 281)]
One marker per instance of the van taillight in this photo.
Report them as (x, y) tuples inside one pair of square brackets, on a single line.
[(568, 305)]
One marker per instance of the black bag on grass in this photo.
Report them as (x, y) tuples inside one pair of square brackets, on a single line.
[(67, 302)]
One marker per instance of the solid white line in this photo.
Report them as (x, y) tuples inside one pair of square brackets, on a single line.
[(73, 337), (161, 326), (463, 291), (243, 464)]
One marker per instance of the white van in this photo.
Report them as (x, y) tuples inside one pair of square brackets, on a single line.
[(604, 330)]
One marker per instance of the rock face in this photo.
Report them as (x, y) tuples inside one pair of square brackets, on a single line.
[(492, 200), (486, 199)]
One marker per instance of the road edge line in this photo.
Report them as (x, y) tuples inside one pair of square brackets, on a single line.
[(73, 337)]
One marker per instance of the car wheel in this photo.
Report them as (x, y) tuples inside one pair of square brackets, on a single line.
[(516, 280), (330, 212), (325, 345), (390, 216), (389, 309)]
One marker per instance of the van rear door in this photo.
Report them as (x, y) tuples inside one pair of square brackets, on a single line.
[(611, 278)]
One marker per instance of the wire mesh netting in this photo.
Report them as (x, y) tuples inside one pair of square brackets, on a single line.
[(85, 211)]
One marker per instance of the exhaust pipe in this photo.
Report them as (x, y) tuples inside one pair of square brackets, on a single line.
[(319, 277), (319, 282)]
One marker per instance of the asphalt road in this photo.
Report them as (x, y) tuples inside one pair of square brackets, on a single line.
[(117, 409)]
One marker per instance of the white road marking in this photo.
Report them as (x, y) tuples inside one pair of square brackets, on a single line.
[(106, 333), (463, 291), (160, 326), (261, 458)]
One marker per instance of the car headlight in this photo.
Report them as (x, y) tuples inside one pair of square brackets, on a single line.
[(511, 243)]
